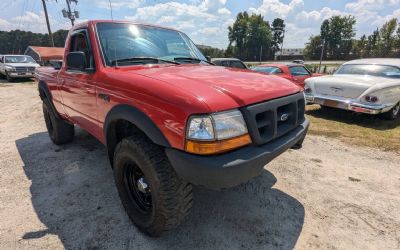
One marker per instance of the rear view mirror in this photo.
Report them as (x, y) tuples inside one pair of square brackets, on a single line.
[(76, 60)]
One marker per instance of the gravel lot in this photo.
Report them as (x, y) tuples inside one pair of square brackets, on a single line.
[(329, 195)]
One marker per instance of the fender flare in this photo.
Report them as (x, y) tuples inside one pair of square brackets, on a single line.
[(137, 118), (46, 97)]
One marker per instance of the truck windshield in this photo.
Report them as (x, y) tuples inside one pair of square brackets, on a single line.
[(121, 42), (370, 69), (19, 59)]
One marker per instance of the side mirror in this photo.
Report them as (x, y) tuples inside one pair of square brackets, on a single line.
[(208, 58), (56, 64), (76, 60)]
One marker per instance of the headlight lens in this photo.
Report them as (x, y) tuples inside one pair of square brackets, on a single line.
[(370, 98), (229, 124), (9, 67), (218, 126), (201, 128), (215, 133)]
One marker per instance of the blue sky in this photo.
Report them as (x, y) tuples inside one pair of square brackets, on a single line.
[(205, 21)]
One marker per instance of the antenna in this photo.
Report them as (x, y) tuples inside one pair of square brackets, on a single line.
[(111, 10)]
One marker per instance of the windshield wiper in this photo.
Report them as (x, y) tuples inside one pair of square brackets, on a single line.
[(141, 60), (193, 59)]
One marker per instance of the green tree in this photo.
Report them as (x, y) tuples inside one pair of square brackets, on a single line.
[(387, 41), (313, 48), (16, 41), (278, 27), (248, 36)]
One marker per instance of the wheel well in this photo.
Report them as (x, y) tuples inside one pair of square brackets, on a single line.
[(118, 130)]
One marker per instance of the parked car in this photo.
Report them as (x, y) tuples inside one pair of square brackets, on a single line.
[(168, 118), (297, 73), (17, 66), (369, 86), (229, 62), (298, 61)]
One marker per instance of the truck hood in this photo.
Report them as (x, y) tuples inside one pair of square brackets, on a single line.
[(347, 86), (218, 87)]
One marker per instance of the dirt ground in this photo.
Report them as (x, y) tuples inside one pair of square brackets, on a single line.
[(328, 195)]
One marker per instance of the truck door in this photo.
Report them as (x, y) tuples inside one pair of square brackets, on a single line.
[(78, 87)]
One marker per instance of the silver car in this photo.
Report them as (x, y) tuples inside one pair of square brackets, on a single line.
[(369, 86), (17, 66)]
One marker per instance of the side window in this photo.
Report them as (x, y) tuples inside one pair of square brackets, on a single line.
[(1, 59), (237, 64), (299, 71), (80, 42), (224, 63)]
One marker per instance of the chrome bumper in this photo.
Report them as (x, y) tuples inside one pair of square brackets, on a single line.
[(15, 74), (347, 104)]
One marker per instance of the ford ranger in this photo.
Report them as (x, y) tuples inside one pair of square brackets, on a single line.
[(168, 118)]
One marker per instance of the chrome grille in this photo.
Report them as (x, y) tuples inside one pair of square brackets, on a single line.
[(24, 69)]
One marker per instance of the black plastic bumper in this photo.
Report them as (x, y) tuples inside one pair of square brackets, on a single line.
[(233, 168)]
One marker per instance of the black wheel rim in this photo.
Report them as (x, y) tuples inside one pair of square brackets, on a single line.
[(137, 187)]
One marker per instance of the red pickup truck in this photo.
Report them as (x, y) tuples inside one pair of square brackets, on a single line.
[(168, 117)]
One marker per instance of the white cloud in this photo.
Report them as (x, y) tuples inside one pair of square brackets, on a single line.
[(35, 22), (302, 23), (206, 22), (132, 4)]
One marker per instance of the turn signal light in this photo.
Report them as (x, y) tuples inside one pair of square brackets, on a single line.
[(216, 147)]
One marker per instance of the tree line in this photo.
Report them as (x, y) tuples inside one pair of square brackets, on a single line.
[(16, 41), (337, 39), (251, 38)]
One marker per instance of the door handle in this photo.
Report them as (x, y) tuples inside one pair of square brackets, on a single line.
[(105, 97)]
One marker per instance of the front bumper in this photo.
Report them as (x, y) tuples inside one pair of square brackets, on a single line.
[(14, 74), (233, 168), (347, 104)]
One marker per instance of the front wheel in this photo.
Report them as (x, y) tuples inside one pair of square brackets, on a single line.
[(394, 113), (153, 195), (8, 77)]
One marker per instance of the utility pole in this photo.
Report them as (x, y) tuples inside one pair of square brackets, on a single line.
[(48, 23), (322, 54), (71, 15), (260, 53)]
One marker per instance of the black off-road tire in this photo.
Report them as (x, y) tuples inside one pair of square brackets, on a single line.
[(392, 114), (60, 131), (171, 196)]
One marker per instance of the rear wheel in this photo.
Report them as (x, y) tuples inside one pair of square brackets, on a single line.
[(59, 130), (153, 195), (394, 113)]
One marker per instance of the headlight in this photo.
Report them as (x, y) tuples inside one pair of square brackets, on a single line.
[(307, 90), (370, 98), (216, 133), (9, 68)]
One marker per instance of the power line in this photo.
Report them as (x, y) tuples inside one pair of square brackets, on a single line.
[(111, 10)]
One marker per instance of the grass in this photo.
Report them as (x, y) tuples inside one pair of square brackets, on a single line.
[(354, 128)]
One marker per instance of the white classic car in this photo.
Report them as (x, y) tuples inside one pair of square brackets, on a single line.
[(17, 66), (366, 85)]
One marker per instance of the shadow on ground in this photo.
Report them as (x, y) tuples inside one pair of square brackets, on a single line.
[(348, 117), (17, 80), (74, 196)]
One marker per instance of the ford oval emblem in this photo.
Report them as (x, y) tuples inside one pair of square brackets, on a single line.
[(284, 117)]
